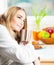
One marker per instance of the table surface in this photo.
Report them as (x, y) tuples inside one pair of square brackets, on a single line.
[(46, 53)]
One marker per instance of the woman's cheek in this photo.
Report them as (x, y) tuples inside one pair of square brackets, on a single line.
[(20, 28)]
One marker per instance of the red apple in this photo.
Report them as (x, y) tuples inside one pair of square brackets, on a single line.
[(50, 30)]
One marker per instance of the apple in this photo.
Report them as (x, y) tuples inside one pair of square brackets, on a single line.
[(45, 35), (50, 30)]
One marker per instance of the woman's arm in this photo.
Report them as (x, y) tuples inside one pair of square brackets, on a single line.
[(9, 48)]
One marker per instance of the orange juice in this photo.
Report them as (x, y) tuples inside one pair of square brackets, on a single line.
[(35, 35)]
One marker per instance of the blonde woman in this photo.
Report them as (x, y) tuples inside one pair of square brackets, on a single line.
[(11, 53)]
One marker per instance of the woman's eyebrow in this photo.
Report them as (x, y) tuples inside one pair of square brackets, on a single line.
[(19, 15)]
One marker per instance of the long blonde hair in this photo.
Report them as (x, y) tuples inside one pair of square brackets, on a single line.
[(5, 19)]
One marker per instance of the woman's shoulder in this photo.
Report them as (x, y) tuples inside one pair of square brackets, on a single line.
[(4, 34), (2, 26), (3, 31)]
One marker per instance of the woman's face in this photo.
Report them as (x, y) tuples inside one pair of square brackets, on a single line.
[(17, 20)]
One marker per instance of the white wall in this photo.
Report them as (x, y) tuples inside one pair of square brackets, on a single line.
[(31, 23), (47, 21), (3, 6)]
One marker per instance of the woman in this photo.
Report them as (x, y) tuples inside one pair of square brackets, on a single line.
[(11, 53)]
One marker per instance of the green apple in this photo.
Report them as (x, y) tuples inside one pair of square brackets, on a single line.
[(45, 35)]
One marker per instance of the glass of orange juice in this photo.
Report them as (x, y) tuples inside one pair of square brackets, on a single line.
[(35, 38), (35, 35)]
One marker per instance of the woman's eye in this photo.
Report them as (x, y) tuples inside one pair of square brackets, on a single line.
[(19, 17)]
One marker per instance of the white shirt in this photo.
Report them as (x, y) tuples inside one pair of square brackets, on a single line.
[(11, 53)]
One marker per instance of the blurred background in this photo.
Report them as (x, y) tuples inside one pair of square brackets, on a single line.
[(33, 9), (37, 5)]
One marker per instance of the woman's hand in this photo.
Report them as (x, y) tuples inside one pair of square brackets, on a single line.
[(37, 61), (25, 42)]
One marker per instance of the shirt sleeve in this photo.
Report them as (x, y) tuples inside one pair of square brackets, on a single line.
[(9, 48)]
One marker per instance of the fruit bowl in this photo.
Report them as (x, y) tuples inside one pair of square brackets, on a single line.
[(48, 40), (49, 28)]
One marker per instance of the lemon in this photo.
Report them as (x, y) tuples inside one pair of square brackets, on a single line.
[(40, 34), (52, 35)]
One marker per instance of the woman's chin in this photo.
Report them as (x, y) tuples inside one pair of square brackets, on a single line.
[(19, 30)]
